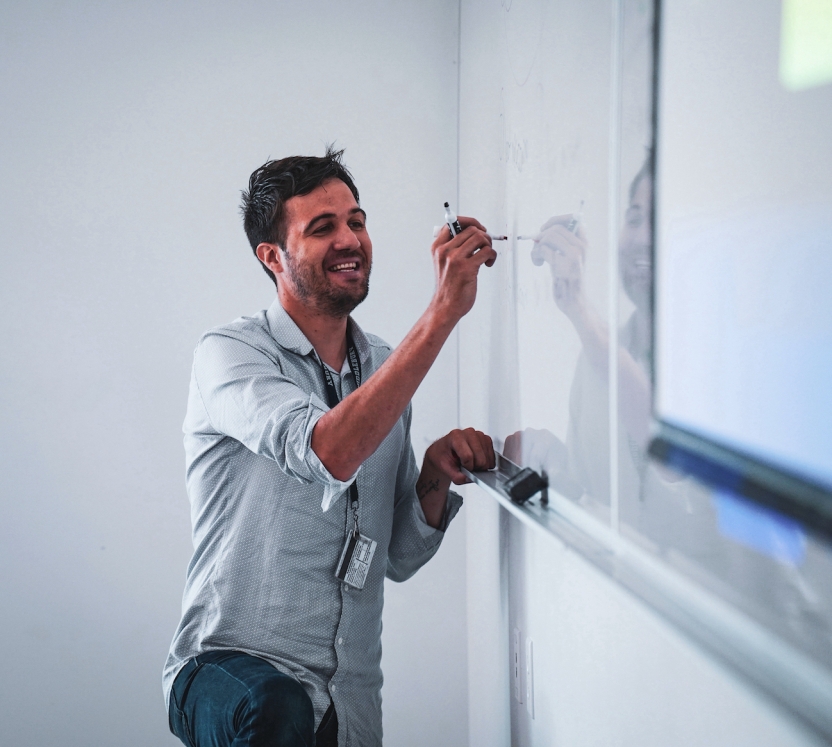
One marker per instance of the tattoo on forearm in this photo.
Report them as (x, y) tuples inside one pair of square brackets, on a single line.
[(423, 487)]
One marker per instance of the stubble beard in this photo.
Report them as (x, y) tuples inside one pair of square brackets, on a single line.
[(315, 289)]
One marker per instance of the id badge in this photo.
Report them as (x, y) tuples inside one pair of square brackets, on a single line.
[(355, 560)]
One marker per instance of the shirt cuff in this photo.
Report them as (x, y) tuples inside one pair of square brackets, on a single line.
[(333, 487), (452, 505)]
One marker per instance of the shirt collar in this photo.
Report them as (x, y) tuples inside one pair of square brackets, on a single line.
[(288, 335)]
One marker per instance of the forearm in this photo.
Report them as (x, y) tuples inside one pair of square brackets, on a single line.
[(444, 461), (594, 334), (350, 432), (432, 490)]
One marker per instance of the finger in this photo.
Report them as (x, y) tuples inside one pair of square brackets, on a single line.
[(466, 243), (444, 235), (488, 448), (450, 469), (555, 220), (556, 454), (475, 443), (553, 245), (461, 449), (559, 265), (581, 235), (562, 237), (466, 221), (480, 248), (478, 252), (513, 445), (486, 257), (449, 464), (534, 458), (472, 240)]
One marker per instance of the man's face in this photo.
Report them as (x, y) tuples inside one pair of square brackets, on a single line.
[(328, 253), (635, 262)]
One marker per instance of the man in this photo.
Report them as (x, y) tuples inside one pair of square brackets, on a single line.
[(299, 466)]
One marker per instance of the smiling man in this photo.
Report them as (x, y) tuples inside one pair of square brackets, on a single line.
[(303, 485)]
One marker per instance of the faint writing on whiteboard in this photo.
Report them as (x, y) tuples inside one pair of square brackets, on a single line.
[(514, 149), (517, 151), (523, 22)]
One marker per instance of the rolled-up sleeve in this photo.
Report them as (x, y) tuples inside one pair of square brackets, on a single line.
[(414, 542), (247, 396)]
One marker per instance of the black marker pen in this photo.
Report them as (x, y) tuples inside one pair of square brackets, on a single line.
[(455, 228), (452, 221)]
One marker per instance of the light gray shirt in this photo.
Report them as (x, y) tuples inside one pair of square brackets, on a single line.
[(270, 522)]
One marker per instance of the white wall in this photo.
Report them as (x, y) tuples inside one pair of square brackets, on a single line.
[(128, 131)]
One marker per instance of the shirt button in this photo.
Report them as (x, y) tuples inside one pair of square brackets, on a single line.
[(340, 641), (332, 687)]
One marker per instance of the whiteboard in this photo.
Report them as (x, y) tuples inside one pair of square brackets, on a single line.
[(556, 112), (555, 123)]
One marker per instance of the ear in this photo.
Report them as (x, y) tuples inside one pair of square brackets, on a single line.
[(269, 255)]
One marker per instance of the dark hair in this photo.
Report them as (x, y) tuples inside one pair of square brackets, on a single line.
[(269, 187), (645, 172)]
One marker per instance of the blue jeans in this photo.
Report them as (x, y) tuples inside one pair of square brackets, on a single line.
[(231, 699)]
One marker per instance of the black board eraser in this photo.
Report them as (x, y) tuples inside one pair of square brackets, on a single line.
[(524, 485)]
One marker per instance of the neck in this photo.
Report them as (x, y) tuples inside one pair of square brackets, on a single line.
[(327, 334)]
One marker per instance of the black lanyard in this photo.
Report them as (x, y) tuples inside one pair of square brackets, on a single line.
[(333, 399)]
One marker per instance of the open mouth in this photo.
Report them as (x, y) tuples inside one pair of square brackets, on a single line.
[(344, 267)]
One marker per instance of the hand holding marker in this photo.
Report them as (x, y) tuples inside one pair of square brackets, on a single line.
[(455, 228), (453, 224), (572, 227)]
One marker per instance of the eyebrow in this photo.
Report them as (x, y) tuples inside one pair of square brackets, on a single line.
[(324, 216)]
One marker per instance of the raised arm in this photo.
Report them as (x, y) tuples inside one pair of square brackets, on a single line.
[(349, 433)]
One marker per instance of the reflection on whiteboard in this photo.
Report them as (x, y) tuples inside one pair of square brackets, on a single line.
[(579, 468)]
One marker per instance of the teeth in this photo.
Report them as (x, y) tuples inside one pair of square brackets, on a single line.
[(344, 266)]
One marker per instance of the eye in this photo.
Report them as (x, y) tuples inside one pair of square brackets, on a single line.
[(321, 229), (634, 217), (357, 225)]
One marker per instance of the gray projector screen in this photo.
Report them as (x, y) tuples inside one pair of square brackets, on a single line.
[(743, 294)]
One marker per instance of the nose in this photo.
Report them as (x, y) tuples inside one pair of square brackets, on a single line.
[(346, 239)]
